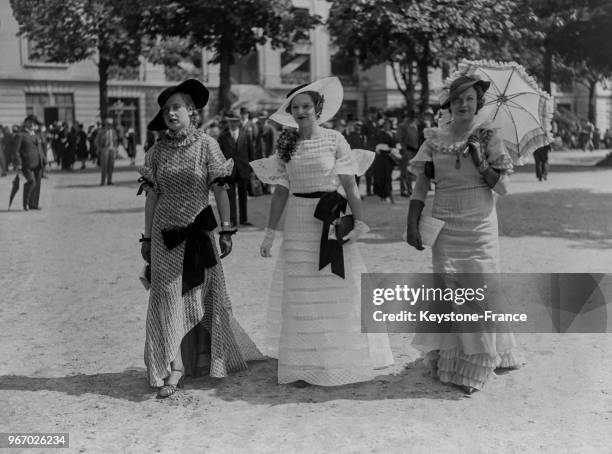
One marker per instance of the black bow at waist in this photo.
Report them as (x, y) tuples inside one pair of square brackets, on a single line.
[(199, 249), (331, 205)]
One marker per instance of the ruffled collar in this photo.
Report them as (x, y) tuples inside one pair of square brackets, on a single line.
[(183, 137), (445, 141)]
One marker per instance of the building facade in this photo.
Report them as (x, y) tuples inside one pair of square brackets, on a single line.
[(260, 80)]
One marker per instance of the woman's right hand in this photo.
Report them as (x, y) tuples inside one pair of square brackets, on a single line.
[(145, 251)]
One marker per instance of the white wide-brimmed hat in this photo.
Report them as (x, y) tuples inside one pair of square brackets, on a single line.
[(329, 87)]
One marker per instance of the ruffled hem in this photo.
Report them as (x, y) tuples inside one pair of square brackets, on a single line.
[(454, 366), (458, 368)]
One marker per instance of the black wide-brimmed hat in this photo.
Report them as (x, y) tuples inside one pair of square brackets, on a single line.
[(193, 87)]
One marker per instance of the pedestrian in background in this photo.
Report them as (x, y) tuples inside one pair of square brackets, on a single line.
[(78, 143), (408, 138), (131, 145), (370, 130), (540, 157), (106, 144), (3, 153), (384, 162), (30, 160), (236, 142)]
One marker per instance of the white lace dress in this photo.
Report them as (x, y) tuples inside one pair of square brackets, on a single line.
[(314, 317)]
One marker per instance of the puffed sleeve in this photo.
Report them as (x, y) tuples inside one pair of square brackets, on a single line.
[(496, 153), (217, 167), (271, 170), (425, 154), (148, 171), (351, 162)]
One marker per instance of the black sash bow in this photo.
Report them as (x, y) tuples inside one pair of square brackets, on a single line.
[(199, 250), (329, 208)]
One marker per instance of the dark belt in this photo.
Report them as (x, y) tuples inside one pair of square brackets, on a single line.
[(329, 208), (199, 250)]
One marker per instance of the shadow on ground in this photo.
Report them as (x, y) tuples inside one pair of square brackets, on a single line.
[(576, 214), (130, 384), (256, 386)]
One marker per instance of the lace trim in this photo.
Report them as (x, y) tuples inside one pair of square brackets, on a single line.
[(183, 137), (440, 138)]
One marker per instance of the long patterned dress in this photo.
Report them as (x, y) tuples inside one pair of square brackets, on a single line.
[(181, 168), (468, 243), (314, 318)]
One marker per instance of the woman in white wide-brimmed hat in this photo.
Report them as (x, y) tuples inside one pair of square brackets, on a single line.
[(314, 319)]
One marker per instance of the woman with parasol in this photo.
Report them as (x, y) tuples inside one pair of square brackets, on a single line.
[(470, 165)]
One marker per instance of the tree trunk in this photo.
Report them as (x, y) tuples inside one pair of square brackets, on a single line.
[(423, 63), (548, 56), (592, 107), (103, 66), (224, 103)]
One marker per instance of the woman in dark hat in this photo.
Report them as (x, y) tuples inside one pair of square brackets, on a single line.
[(314, 323), (470, 165), (189, 321)]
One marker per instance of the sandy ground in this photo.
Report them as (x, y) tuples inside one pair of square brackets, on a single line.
[(72, 318)]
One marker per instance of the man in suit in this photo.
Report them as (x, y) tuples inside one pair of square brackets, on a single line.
[(370, 130), (30, 158), (107, 140), (237, 142), (408, 137)]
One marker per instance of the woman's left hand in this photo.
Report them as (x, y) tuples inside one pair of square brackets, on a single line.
[(476, 152), (225, 244)]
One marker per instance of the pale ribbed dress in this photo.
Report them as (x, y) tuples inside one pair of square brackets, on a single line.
[(468, 243), (181, 169), (314, 317)]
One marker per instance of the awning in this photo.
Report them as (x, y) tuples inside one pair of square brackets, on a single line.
[(254, 98)]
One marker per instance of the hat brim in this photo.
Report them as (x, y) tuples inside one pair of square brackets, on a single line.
[(158, 123), (193, 87), (329, 87), (450, 97)]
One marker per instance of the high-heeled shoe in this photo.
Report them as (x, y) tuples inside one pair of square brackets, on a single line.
[(469, 390), (169, 389)]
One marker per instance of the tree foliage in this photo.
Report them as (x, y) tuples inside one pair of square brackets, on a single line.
[(414, 36), (70, 31), (227, 28)]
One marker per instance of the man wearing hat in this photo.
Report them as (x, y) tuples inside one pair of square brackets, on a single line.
[(107, 140), (30, 158), (236, 142)]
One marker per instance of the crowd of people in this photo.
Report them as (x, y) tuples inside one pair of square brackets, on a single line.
[(581, 134), (63, 144)]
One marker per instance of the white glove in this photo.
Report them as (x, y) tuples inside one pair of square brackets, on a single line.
[(266, 244), (359, 229)]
